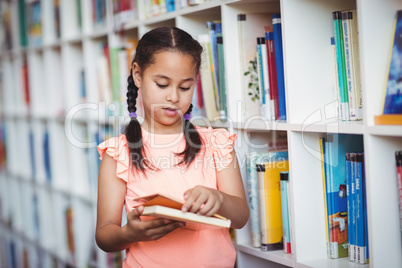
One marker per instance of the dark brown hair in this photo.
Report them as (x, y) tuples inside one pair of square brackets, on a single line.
[(155, 41)]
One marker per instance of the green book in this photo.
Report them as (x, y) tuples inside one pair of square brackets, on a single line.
[(22, 21), (222, 85)]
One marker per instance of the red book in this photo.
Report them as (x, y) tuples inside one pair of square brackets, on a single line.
[(25, 82), (273, 81)]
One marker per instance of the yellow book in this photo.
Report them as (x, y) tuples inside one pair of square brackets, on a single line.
[(270, 202)]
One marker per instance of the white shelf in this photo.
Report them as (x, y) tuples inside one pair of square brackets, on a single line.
[(275, 256), (334, 263)]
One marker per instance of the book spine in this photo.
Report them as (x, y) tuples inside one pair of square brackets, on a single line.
[(348, 64), (350, 205), (261, 81), (267, 97), (263, 217), (253, 197), (222, 78), (323, 171), (360, 243), (277, 25), (354, 40), (336, 81), (284, 177), (273, 80), (213, 54), (398, 160), (340, 58)]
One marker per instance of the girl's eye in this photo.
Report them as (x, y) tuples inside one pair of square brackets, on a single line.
[(161, 86), (185, 88)]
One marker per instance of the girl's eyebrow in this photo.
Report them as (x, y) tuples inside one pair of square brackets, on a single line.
[(165, 77)]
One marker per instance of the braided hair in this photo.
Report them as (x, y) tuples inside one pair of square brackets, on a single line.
[(158, 40)]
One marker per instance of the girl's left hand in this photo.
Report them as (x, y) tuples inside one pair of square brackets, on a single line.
[(203, 200)]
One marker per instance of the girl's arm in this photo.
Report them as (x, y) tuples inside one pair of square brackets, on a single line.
[(110, 236), (229, 200)]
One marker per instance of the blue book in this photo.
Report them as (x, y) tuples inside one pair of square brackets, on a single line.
[(336, 147), (277, 25), (46, 154), (360, 215), (393, 91), (350, 204), (32, 153)]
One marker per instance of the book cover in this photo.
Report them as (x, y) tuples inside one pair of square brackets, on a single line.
[(335, 77), (277, 26), (22, 15), (336, 146), (392, 103), (284, 177), (213, 29), (250, 26), (268, 171), (165, 206), (340, 59)]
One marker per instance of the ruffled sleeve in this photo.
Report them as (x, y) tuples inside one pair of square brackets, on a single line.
[(222, 142), (117, 149)]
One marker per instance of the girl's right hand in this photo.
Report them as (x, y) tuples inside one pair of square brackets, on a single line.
[(148, 230)]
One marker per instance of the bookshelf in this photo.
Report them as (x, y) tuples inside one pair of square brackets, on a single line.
[(33, 218)]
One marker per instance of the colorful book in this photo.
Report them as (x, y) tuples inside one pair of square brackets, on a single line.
[(324, 181), (392, 103), (268, 172), (284, 177), (335, 77), (340, 59), (277, 26), (350, 193), (213, 29)]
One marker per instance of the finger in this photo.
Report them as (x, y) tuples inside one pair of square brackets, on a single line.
[(135, 213), (206, 208), (196, 205), (190, 196), (160, 231)]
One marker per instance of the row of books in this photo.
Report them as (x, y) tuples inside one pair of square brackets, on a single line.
[(158, 7), (99, 13), (124, 11), (262, 65), (212, 74), (344, 196), (345, 47), (269, 204)]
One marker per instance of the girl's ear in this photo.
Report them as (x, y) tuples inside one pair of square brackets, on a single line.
[(137, 74)]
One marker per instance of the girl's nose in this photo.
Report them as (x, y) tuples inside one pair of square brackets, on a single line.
[(173, 95)]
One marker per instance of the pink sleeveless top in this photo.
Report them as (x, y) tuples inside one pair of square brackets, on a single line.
[(205, 247)]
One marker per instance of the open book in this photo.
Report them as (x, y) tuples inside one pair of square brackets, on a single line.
[(164, 206)]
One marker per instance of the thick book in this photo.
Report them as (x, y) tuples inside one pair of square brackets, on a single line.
[(273, 79), (165, 206), (392, 95)]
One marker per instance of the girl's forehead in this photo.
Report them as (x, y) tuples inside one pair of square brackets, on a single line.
[(173, 62)]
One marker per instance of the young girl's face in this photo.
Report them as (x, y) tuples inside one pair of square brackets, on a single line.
[(167, 88)]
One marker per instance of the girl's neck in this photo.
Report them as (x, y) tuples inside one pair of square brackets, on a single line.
[(157, 128)]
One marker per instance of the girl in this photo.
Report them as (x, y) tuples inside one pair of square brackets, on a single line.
[(167, 154)]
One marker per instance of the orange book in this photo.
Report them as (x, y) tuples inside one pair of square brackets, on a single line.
[(165, 206)]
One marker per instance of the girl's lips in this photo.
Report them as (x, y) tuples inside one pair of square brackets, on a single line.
[(170, 112)]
